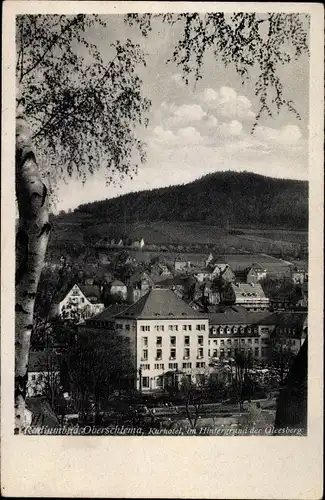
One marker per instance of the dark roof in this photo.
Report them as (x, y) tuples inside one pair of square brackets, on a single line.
[(160, 303), (140, 275), (287, 319), (238, 315), (169, 281), (241, 274), (92, 292), (108, 314), (40, 361)]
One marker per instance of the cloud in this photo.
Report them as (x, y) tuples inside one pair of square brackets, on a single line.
[(162, 135), (184, 114), (187, 136), (288, 135), (227, 103), (211, 121), (233, 128)]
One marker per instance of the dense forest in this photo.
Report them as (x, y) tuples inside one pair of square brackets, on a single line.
[(223, 198)]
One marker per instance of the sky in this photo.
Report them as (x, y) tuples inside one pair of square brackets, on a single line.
[(196, 131)]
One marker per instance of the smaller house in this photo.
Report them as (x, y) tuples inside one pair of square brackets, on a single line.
[(139, 284), (255, 273), (208, 259), (159, 269), (290, 331), (299, 275), (182, 264), (80, 302), (43, 372), (303, 302), (223, 271), (251, 296), (118, 288), (251, 274), (138, 243)]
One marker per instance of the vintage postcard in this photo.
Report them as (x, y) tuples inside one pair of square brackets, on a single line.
[(162, 249)]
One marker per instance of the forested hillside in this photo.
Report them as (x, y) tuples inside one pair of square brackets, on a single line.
[(225, 198)]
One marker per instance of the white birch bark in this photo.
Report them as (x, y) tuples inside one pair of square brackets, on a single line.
[(31, 242)]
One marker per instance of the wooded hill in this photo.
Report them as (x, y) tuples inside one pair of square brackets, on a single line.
[(226, 199)]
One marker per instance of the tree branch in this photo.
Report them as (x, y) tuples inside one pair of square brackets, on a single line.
[(50, 46)]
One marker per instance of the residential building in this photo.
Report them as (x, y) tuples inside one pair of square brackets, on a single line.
[(139, 284), (289, 332), (43, 372), (118, 288), (252, 274), (166, 336), (182, 264), (159, 269), (251, 296), (236, 330), (138, 243), (209, 259), (104, 320), (79, 303), (299, 274), (255, 273), (256, 333), (213, 271), (303, 302)]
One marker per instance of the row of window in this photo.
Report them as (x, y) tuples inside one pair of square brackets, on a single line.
[(161, 366), (235, 341), (172, 354), (214, 353), (172, 340), (235, 329), (172, 328)]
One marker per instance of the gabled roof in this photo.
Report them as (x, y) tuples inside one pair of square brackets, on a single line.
[(288, 319), (222, 266), (92, 292), (248, 290), (139, 276), (160, 303)]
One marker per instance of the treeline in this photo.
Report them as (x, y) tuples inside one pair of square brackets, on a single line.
[(224, 198)]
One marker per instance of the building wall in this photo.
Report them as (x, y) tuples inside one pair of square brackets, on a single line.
[(225, 339), (76, 302), (253, 303), (171, 338)]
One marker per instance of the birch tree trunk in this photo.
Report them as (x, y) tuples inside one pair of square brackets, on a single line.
[(31, 242)]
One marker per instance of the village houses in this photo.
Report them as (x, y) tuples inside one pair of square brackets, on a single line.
[(251, 296), (80, 302)]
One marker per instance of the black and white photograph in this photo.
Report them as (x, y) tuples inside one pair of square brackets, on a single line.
[(162, 224)]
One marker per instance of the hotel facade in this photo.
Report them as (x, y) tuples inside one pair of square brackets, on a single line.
[(167, 338)]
